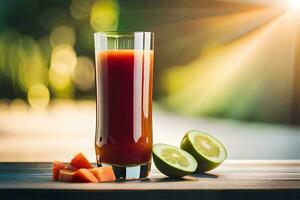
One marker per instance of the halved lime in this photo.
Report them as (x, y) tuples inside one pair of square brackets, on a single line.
[(207, 150), (172, 161)]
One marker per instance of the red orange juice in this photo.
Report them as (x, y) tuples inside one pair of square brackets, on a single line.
[(124, 105)]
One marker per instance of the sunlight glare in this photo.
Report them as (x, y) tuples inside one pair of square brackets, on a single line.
[(228, 71), (294, 5)]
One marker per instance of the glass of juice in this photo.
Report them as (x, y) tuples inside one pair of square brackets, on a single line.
[(124, 77)]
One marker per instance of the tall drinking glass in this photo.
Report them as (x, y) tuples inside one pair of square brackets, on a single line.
[(124, 77)]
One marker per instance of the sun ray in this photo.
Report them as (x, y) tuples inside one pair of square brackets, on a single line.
[(207, 32), (211, 83)]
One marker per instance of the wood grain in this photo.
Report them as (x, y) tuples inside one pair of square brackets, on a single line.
[(233, 180)]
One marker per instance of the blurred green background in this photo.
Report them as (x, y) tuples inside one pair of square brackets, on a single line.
[(230, 68), (224, 59)]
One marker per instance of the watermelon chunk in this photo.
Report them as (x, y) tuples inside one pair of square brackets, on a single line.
[(56, 167), (84, 175), (104, 174), (79, 161), (66, 175), (80, 175)]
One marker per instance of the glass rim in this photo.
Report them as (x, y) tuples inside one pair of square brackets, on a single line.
[(121, 33)]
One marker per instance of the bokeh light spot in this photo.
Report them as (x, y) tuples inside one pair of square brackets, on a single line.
[(64, 57), (26, 58), (38, 96), (59, 79), (63, 62), (80, 9), (62, 35), (83, 75), (105, 15)]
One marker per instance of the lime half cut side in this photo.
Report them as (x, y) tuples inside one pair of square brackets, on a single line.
[(207, 150), (173, 161)]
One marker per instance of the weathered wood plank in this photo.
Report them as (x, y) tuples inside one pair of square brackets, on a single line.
[(233, 180)]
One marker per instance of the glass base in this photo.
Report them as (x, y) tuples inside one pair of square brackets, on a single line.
[(130, 172)]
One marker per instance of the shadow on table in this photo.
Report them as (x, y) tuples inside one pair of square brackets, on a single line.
[(204, 175), (186, 178), (167, 179)]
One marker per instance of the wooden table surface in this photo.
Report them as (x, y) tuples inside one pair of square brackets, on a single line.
[(242, 179)]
